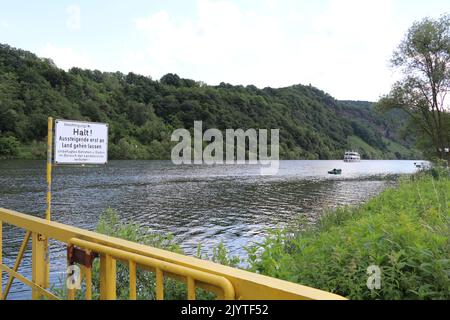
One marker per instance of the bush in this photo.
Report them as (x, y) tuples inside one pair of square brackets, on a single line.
[(128, 149), (9, 147)]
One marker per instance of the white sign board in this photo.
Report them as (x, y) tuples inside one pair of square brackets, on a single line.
[(78, 142)]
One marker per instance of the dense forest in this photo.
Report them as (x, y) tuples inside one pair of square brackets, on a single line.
[(142, 112)]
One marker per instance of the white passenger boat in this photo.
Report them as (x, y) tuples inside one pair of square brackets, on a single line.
[(352, 156)]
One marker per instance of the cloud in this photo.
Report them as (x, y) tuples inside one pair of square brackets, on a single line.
[(220, 36), (66, 58), (343, 48), (351, 44), (73, 21)]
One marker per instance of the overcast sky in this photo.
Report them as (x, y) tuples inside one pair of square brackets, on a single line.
[(340, 46)]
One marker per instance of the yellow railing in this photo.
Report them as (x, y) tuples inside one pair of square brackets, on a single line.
[(225, 282), (109, 255)]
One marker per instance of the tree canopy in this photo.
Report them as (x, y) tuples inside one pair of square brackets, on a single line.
[(423, 58), (143, 112)]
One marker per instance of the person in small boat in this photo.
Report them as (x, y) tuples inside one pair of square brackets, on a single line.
[(335, 171)]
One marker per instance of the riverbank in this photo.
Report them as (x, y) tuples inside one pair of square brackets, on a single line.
[(404, 231)]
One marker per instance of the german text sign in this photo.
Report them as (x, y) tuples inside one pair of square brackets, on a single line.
[(79, 142)]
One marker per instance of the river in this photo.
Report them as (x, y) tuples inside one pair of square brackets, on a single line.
[(232, 204)]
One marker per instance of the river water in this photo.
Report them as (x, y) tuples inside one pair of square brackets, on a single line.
[(232, 204)]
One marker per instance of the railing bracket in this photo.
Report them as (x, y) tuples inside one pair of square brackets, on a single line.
[(80, 256)]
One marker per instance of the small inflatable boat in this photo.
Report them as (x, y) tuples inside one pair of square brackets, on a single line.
[(335, 171)]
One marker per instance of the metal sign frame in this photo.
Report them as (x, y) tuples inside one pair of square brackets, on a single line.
[(80, 164)]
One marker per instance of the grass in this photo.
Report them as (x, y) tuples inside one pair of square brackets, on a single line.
[(404, 231)]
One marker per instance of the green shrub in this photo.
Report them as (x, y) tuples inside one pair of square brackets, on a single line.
[(9, 147), (128, 149)]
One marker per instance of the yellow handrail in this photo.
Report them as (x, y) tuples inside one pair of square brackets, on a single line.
[(233, 283), (159, 267)]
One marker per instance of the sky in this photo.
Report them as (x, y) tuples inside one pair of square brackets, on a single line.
[(340, 46)]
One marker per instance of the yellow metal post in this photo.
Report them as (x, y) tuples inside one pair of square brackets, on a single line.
[(38, 263), (88, 281), (49, 194), (132, 268), (159, 284), (107, 277), (191, 288), (49, 168), (70, 294)]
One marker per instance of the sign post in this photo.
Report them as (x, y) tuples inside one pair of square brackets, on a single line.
[(49, 168), (48, 208)]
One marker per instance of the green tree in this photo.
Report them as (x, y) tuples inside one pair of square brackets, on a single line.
[(142, 112), (423, 57), (171, 80)]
